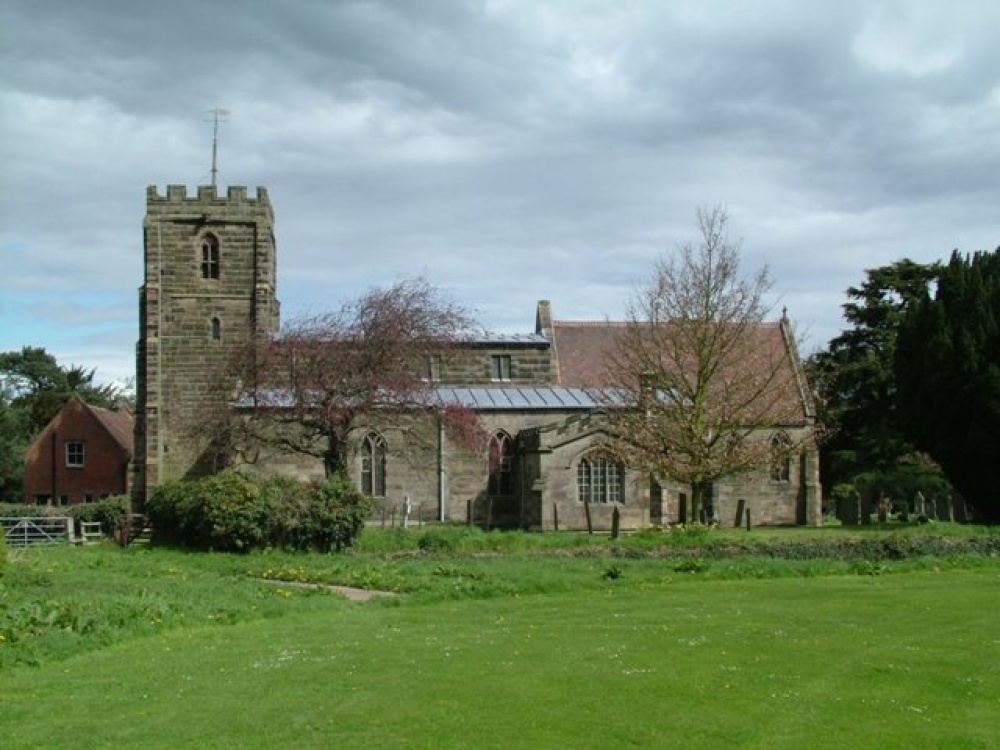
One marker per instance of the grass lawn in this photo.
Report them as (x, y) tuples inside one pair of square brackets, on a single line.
[(526, 651)]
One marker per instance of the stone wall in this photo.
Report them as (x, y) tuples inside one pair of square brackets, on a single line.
[(192, 323)]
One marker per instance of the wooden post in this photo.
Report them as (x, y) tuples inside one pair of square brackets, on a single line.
[(555, 516), (586, 510), (615, 522)]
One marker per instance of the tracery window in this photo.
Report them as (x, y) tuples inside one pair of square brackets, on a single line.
[(781, 458), (501, 465), (209, 257), (373, 465), (600, 479)]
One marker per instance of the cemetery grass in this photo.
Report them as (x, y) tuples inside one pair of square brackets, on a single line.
[(154, 647)]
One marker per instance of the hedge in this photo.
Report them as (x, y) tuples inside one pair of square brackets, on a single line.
[(233, 512)]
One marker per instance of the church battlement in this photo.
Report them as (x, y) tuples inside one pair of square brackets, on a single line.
[(178, 194)]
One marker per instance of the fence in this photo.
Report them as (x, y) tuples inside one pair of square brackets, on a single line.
[(21, 532)]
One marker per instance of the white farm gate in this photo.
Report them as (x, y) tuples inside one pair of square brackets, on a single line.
[(24, 531)]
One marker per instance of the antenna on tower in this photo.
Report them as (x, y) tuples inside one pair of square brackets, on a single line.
[(218, 115)]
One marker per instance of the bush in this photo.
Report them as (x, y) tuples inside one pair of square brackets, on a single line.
[(232, 512), (111, 512), (3, 551), (21, 510)]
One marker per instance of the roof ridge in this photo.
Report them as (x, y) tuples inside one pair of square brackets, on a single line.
[(589, 323)]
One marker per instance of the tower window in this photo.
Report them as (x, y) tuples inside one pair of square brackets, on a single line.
[(209, 257), (216, 330)]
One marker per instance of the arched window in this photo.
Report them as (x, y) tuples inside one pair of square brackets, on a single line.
[(600, 479), (216, 329), (209, 257), (501, 465), (781, 458), (373, 465)]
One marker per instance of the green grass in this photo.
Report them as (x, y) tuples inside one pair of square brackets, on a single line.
[(531, 648)]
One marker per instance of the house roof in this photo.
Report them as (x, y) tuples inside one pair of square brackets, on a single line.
[(119, 424), (583, 352)]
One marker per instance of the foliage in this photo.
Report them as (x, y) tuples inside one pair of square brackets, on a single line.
[(694, 376), (3, 551), (363, 365), (947, 369), (232, 512), (111, 512), (866, 454)]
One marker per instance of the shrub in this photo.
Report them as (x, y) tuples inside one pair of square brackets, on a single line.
[(3, 551), (436, 540), (111, 512), (338, 514), (232, 512)]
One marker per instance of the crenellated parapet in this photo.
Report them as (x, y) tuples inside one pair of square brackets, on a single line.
[(178, 200)]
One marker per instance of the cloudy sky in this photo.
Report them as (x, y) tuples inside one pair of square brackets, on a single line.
[(511, 150)]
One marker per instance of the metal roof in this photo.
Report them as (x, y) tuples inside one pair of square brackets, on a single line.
[(489, 338), (520, 399)]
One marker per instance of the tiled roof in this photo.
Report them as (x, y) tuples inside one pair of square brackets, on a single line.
[(583, 351), (118, 423)]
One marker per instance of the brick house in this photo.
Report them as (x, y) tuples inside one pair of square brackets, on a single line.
[(82, 455)]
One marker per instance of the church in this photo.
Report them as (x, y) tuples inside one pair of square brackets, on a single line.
[(210, 278)]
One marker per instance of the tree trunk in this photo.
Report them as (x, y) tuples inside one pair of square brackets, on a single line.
[(335, 458)]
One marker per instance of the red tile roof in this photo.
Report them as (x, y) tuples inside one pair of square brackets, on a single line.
[(118, 423), (583, 353)]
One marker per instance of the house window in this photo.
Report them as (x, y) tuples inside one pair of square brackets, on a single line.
[(500, 367), (216, 329), (209, 257), (781, 458), (373, 465), (501, 453), (599, 479), (74, 454)]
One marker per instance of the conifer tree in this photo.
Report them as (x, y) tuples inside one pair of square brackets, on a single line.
[(948, 374)]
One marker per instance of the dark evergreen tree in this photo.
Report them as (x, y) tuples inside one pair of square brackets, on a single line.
[(948, 372), (866, 452)]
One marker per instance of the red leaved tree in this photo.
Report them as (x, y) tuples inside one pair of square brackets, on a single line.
[(370, 362)]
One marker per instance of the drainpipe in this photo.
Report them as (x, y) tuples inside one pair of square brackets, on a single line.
[(52, 497), (440, 458)]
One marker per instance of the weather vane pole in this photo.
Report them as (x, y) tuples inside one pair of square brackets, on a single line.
[(217, 115)]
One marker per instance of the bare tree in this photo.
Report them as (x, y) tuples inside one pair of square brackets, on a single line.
[(697, 372), (367, 363)]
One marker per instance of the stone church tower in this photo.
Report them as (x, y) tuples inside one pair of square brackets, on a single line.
[(210, 279)]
